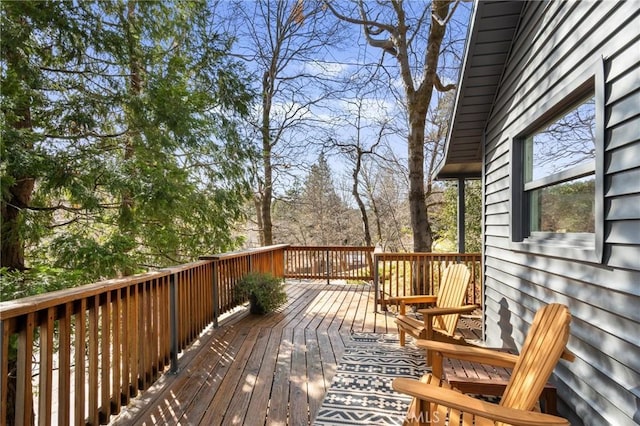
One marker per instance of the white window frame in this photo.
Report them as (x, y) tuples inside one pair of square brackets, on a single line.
[(586, 247)]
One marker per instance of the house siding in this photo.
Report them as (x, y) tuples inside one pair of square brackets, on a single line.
[(555, 44)]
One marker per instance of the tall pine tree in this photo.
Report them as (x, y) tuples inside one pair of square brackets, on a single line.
[(323, 211), (119, 148)]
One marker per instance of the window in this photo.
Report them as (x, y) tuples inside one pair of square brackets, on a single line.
[(557, 175), (559, 172)]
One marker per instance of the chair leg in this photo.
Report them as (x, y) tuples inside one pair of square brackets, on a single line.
[(549, 400), (403, 336), (421, 413), (428, 335), (401, 332)]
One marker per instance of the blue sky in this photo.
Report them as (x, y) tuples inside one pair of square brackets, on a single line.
[(354, 59)]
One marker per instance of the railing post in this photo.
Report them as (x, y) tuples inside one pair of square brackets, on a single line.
[(173, 319), (4, 374), (216, 295), (461, 237), (328, 266), (376, 277)]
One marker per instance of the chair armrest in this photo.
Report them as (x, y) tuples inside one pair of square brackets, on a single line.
[(470, 353), (431, 312), (567, 355), (424, 298), (457, 400)]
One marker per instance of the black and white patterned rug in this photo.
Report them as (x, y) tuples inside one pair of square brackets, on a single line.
[(361, 390)]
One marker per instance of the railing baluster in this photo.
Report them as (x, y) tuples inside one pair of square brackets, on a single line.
[(79, 346), (46, 368), (4, 370), (376, 283), (134, 336), (64, 365), (116, 360), (106, 357), (126, 346), (173, 319), (327, 264), (24, 408), (94, 304)]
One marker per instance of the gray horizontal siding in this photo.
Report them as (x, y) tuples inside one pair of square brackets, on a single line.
[(497, 197), (626, 157), (622, 167), (624, 232), (496, 208), (577, 280), (628, 83), (623, 134), (622, 183), (557, 60), (556, 43), (615, 376), (623, 208), (617, 292), (622, 256)]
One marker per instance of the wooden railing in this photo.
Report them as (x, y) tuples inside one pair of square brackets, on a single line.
[(94, 347), (329, 262), (401, 274), (230, 267), (77, 356)]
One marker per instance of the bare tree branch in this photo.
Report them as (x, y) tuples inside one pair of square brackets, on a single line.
[(440, 87), (445, 21)]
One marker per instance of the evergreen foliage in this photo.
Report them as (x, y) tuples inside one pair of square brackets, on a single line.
[(446, 219), (119, 143), (265, 291), (314, 213)]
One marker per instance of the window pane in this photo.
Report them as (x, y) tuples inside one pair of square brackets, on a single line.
[(566, 207), (565, 143)]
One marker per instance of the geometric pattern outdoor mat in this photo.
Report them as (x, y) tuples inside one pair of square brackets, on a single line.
[(361, 393)]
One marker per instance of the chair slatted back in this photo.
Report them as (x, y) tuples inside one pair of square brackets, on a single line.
[(452, 292), (543, 347)]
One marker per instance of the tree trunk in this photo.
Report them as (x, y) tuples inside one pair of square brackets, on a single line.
[(12, 253), (376, 214), (361, 206), (418, 104), (12, 250), (257, 203), (267, 193), (422, 239)]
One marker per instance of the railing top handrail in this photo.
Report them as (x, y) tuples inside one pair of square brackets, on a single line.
[(13, 308), (426, 254), (336, 248), (244, 252)]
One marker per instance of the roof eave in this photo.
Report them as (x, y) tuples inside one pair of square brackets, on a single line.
[(490, 36)]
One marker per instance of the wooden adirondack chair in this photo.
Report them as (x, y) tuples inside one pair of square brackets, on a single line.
[(439, 322), (435, 401)]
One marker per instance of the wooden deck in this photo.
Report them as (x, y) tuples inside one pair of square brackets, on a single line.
[(256, 370)]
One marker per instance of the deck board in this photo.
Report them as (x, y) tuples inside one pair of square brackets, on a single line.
[(256, 370)]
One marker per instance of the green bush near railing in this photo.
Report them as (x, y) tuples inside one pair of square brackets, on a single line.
[(264, 291)]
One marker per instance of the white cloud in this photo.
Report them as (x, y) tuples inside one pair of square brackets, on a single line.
[(327, 69)]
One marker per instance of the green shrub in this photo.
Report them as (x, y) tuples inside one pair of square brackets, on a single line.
[(264, 291)]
